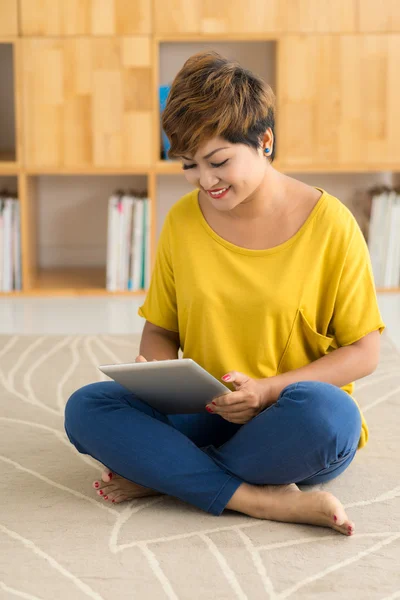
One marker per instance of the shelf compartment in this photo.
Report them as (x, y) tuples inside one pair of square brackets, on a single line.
[(64, 231), (258, 56), (8, 154)]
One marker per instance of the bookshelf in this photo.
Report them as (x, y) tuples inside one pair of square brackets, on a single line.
[(62, 131)]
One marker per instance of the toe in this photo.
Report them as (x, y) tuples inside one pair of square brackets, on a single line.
[(113, 495), (105, 490), (107, 475), (120, 498), (347, 528)]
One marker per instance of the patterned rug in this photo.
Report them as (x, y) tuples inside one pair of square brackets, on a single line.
[(60, 540)]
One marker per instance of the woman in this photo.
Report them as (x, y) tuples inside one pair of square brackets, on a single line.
[(260, 277)]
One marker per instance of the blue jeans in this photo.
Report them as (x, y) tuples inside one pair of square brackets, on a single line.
[(310, 435)]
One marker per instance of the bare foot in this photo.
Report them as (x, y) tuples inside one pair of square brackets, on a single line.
[(288, 504), (116, 489)]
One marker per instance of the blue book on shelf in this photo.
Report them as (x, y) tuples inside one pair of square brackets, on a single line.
[(164, 91), (144, 245)]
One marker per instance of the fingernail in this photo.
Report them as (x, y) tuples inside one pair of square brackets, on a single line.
[(226, 377)]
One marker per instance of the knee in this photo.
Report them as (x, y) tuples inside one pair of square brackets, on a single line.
[(322, 408), (78, 408)]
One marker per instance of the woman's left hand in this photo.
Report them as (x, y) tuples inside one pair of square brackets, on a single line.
[(243, 404)]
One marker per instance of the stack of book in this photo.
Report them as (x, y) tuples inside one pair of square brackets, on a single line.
[(128, 242), (384, 236), (10, 243)]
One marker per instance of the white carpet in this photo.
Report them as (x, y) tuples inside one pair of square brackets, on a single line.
[(59, 540)]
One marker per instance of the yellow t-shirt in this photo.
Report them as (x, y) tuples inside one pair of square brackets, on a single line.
[(263, 312)]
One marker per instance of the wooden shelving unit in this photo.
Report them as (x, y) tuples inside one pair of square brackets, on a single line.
[(83, 98)]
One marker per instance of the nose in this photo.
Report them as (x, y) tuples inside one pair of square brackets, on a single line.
[(208, 180)]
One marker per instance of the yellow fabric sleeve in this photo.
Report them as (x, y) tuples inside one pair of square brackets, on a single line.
[(356, 312), (160, 305)]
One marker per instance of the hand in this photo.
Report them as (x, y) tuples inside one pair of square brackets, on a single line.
[(240, 406), (141, 358)]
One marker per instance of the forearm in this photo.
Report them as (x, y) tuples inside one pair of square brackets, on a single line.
[(340, 367), (158, 346)]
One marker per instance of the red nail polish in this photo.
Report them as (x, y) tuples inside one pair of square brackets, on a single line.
[(112, 500), (335, 518), (96, 484), (105, 497), (110, 475), (101, 492), (213, 403)]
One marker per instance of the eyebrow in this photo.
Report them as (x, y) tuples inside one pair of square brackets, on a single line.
[(208, 155)]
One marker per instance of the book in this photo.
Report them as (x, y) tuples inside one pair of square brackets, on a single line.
[(165, 144)]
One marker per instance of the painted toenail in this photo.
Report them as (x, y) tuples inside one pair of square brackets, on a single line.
[(105, 497), (96, 483), (112, 500), (335, 518), (101, 492), (110, 475)]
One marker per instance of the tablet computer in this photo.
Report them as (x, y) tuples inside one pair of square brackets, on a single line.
[(170, 386)]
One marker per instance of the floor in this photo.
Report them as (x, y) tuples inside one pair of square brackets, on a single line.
[(91, 315)]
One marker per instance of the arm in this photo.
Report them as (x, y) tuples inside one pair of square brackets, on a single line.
[(158, 343), (342, 366)]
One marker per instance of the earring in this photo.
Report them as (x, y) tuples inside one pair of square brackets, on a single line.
[(266, 150)]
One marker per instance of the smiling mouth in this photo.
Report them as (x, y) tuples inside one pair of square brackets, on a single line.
[(219, 193)]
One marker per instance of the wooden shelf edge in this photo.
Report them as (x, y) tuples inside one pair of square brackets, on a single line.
[(79, 281), (69, 292), (393, 290)]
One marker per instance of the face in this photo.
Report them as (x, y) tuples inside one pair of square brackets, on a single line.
[(219, 164)]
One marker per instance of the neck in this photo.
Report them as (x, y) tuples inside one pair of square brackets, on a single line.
[(266, 200)]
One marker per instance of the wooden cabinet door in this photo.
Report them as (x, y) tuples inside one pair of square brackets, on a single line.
[(87, 102), (337, 101), (205, 17), (85, 17), (383, 16), (8, 18)]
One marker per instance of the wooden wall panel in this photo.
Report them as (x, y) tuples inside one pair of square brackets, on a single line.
[(383, 16), (338, 101), (85, 17), (254, 16), (87, 102), (8, 17)]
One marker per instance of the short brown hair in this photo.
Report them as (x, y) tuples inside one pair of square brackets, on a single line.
[(212, 96)]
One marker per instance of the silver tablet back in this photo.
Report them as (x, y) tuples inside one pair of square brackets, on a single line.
[(169, 386)]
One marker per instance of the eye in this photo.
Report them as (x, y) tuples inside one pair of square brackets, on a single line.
[(220, 164), (214, 165)]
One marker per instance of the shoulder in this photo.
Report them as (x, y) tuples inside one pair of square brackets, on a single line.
[(337, 219)]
